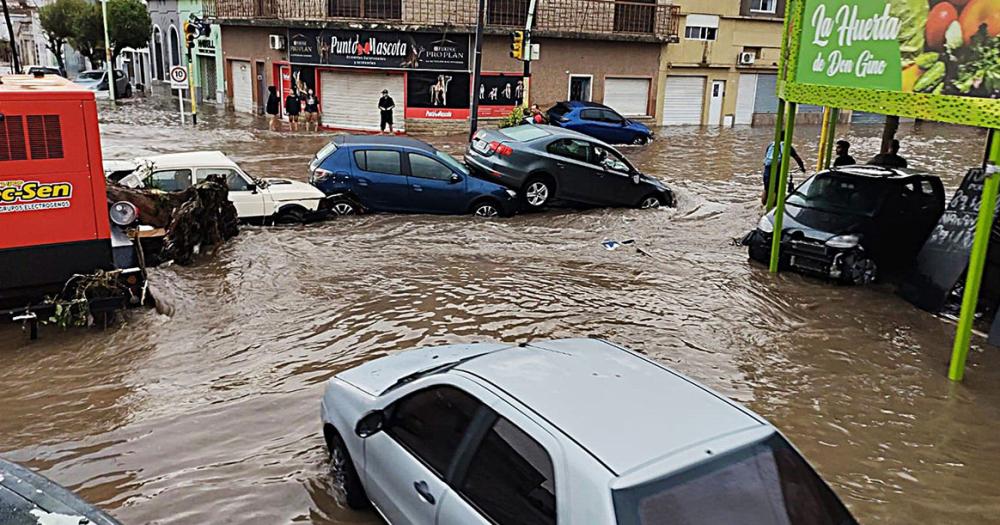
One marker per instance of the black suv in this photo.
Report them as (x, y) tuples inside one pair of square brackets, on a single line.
[(852, 223)]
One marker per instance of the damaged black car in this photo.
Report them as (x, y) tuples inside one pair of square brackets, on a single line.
[(853, 224)]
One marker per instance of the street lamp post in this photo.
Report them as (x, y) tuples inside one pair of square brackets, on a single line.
[(477, 72), (107, 52)]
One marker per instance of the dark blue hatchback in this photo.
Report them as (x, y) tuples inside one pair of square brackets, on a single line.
[(598, 121), (401, 174)]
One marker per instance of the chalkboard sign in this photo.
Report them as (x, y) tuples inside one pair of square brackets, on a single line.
[(944, 256)]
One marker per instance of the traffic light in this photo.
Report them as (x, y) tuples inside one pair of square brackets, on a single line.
[(190, 31), (517, 45)]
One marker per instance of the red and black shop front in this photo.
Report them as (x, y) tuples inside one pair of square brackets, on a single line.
[(426, 74)]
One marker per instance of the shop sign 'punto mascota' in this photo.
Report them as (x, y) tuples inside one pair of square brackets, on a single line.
[(379, 49), (946, 51)]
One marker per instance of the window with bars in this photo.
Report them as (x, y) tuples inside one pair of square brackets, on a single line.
[(381, 9), (513, 13), (635, 16), (763, 6)]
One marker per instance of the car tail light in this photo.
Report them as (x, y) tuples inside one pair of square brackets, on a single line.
[(501, 149), (319, 175)]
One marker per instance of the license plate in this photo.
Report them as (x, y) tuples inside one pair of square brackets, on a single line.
[(481, 146)]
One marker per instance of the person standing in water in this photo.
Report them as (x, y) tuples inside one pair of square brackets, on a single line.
[(312, 111), (770, 158), (271, 108), (292, 107)]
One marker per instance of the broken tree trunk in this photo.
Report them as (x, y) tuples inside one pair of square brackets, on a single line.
[(196, 218)]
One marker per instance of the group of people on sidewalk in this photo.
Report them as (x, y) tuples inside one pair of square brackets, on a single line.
[(296, 104), (885, 159)]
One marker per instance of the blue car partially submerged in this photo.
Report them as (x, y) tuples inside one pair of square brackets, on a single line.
[(399, 174), (599, 121)]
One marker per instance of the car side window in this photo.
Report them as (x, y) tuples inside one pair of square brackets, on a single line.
[(590, 114), (378, 161), (431, 423), (571, 149), (234, 181), (171, 180), (428, 168), (610, 159), (510, 478), (611, 116)]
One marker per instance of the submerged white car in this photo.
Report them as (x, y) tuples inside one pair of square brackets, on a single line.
[(268, 199), (574, 431)]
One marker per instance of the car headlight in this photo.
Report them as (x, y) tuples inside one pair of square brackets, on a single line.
[(765, 224), (123, 213), (512, 193), (843, 241)]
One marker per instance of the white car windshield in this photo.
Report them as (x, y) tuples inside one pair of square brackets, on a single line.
[(767, 483), (91, 75)]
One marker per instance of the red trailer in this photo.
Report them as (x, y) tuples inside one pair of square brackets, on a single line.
[(54, 213)]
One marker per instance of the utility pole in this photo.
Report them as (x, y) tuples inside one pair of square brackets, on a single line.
[(530, 21), (107, 53), (477, 75), (13, 47)]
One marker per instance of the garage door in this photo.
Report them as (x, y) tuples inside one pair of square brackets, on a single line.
[(745, 97), (627, 96), (242, 86), (350, 100), (683, 100)]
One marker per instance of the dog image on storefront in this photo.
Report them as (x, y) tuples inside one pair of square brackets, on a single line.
[(439, 91)]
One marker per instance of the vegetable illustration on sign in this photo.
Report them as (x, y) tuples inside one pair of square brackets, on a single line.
[(941, 47)]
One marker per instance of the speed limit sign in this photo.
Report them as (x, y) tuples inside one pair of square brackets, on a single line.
[(178, 77)]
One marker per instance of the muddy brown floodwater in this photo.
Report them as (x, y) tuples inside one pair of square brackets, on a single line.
[(211, 415)]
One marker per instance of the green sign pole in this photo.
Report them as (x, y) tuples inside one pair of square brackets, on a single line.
[(773, 175), (977, 260), (831, 138), (779, 211)]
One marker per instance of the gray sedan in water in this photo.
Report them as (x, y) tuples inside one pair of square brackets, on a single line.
[(546, 163)]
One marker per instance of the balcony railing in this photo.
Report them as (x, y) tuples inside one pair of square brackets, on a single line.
[(643, 18)]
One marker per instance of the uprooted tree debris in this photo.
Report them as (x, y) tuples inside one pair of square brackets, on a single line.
[(194, 219)]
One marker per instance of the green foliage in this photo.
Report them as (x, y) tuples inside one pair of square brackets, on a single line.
[(129, 25), (58, 19), (88, 37), (515, 118)]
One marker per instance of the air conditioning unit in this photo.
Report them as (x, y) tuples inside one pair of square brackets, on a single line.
[(747, 58), (277, 42)]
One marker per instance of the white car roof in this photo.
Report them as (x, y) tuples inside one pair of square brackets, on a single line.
[(623, 409), (191, 159)]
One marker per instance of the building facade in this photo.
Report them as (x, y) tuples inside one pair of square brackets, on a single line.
[(205, 60), (167, 38), (422, 53), (723, 71)]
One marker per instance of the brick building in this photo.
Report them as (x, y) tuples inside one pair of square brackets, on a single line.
[(422, 52)]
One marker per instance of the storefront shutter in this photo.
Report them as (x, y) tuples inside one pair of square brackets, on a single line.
[(627, 96), (349, 100), (683, 100)]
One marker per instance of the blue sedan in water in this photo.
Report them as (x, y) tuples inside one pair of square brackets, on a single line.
[(398, 174), (598, 121)]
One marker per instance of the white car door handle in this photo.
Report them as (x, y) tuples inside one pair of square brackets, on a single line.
[(423, 491)]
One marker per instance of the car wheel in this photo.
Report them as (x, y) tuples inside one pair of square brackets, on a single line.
[(485, 209), (640, 140), (537, 192), (344, 207), (859, 269), (291, 215), (345, 476), (649, 202)]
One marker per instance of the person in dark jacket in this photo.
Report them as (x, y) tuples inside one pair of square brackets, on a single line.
[(293, 105), (271, 108), (843, 157), (889, 159), (385, 107), (312, 110)]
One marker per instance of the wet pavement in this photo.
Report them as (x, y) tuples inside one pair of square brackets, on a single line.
[(211, 415)]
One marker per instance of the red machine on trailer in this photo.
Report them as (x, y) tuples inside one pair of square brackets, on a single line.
[(55, 221)]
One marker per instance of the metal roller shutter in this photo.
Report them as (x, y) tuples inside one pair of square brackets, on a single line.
[(627, 96), (766, 100), (745, 96), (242, 86), (683, 100), (350, 100)]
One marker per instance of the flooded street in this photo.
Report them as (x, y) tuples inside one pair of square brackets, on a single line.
[(211, 414)]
